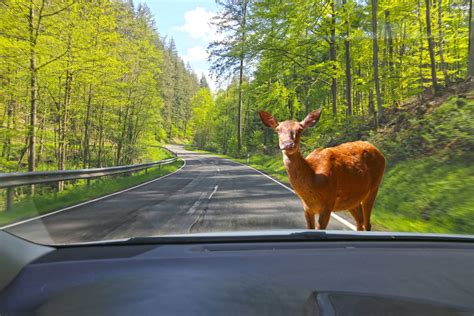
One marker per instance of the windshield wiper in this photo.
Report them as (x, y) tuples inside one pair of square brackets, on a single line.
[(281, 236)]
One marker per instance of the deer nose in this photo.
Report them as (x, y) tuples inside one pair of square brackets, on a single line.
[(287, 145)]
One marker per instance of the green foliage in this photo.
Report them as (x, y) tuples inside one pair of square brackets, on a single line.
[(290, 71), (107, 85), (444, 131), (203, 119)]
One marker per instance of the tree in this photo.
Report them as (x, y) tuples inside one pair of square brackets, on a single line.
[(84, 84), (203, 82), (291, 47), (332, 52), (434, 79), (347, 47), (375, 58), (37, 11), (228, 55), (470, 71), (441, 42)]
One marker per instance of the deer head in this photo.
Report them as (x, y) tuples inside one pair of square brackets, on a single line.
[(289, 132)]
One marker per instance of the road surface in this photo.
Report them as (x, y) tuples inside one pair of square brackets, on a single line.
[(208, 194)]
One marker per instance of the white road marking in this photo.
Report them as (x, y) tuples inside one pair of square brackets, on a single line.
[(218, 170), (94, 200), (215, 190), (335, 216), (193, 208)]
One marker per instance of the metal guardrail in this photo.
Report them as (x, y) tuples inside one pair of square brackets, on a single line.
[(11, 180)]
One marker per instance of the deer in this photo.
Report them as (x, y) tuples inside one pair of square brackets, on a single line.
[(345, 177)]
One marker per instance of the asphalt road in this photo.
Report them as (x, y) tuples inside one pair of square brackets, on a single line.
[(208, 194)]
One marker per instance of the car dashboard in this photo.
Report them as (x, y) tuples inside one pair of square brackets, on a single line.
[(313, 277)]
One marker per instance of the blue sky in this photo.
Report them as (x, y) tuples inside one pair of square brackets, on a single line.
[(187, 21)]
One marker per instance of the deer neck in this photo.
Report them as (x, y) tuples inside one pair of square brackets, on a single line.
[(299, 171)]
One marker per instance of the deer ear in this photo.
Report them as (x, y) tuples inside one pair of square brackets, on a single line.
[(311, 119), (268, 119)]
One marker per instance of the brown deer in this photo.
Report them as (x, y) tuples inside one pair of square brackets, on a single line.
[(345, 177)]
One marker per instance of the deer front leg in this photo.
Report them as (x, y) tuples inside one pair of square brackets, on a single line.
[(323, 219), (309, 219)]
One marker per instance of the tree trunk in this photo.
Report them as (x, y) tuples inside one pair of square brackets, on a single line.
[(470, 72), (123, 121), (239, 110), (371, 108), (86, 153), (332, 49), (241, 78), (441, 43), (347, 46), (434, 79), (42, 129), (420, 30), (358, 100), (376, 61), (63, 117), (10, 120), (388, 31), (101, 136), (33, 92)]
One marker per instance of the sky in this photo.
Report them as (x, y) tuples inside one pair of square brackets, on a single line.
[(187, 22)]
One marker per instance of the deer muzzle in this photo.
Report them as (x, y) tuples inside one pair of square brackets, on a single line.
[(287, 145)]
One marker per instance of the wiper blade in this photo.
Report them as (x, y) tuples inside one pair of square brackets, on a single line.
[(380, 236), (281, 236)]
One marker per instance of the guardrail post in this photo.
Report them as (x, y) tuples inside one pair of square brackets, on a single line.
[(9, 200)]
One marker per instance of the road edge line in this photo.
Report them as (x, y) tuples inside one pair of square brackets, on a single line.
[(94, 200), (333, 215)]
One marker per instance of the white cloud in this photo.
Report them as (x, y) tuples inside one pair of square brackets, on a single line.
[(197, 23), (196, 53)]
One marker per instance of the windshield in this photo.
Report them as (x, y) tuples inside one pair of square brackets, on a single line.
[(123, 119)]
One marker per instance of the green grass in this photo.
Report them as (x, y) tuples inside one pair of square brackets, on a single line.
[(427, 195), (77, 192), (153, 153)]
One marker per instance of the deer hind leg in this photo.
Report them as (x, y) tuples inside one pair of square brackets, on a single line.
[(323, 219), (358, 216), (367, 205), (310, 224)]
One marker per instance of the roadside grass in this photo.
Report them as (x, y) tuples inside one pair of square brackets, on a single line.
[(78, 191), (154, 153), (427, 195)]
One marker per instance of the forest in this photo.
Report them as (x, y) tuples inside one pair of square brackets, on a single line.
[(87, 84), (357, 60)]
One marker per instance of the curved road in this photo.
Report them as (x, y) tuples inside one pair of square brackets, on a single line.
[(208, 194)]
